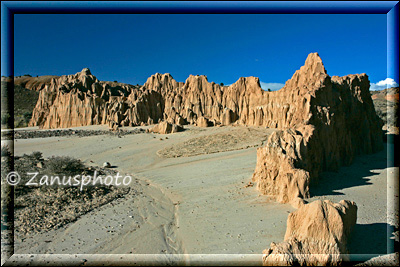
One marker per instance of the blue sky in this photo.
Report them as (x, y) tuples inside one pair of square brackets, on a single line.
[(130, 48)]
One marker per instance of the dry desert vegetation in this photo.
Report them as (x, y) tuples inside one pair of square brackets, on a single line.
[(220, 174)]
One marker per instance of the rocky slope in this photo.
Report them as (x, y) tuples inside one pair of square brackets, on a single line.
[(33, 83), (23, 104), (386, 104)]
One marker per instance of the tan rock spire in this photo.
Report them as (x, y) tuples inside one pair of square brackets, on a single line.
[(86, 71), (325, 139)]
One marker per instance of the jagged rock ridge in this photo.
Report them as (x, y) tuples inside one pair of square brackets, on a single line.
[(163, 98), (325, 121), (80, 99)]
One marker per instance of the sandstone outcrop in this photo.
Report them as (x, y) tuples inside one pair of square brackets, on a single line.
[(316, 234), (324, 121), (339, 123), (202, 122), (163, 98), (80, 99), (165, 128)]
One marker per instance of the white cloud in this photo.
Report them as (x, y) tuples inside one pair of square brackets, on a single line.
[(387, 83), (272, 86)]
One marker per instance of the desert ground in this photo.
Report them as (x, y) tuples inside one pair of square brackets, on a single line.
[(193, 200)]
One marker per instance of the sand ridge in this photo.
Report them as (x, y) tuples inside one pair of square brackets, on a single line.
[(232, 139)]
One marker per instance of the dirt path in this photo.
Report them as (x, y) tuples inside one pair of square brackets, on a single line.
[(201, 201)]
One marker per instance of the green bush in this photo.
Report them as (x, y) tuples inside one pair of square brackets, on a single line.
[(36, 155), (64, 165)]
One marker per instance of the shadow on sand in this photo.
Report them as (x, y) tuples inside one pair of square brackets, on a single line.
[(357, 174), (366, 240), (370, 240), (112, 167)]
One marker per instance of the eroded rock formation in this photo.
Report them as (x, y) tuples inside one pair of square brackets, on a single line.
[(325, 121), (163, 98), (80, 99), (165, 128), (339, 123), (202, 122), (316, 235)]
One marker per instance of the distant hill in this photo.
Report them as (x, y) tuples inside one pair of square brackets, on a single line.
[(386, 104), (24, 103), (33, 83), (26, 94)]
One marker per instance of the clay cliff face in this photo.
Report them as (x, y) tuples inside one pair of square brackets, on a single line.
[(163, 98), (316, 235), (80, 99), (339, 123), (325, 121), (243, 102)]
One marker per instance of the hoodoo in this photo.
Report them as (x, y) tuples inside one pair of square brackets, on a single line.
[(339, 123), (316, 235)]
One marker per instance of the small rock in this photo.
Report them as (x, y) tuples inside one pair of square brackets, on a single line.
[(106, 164), (250, 184)]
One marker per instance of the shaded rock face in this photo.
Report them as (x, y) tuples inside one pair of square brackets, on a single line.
[(316, 235), (339, 123)]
